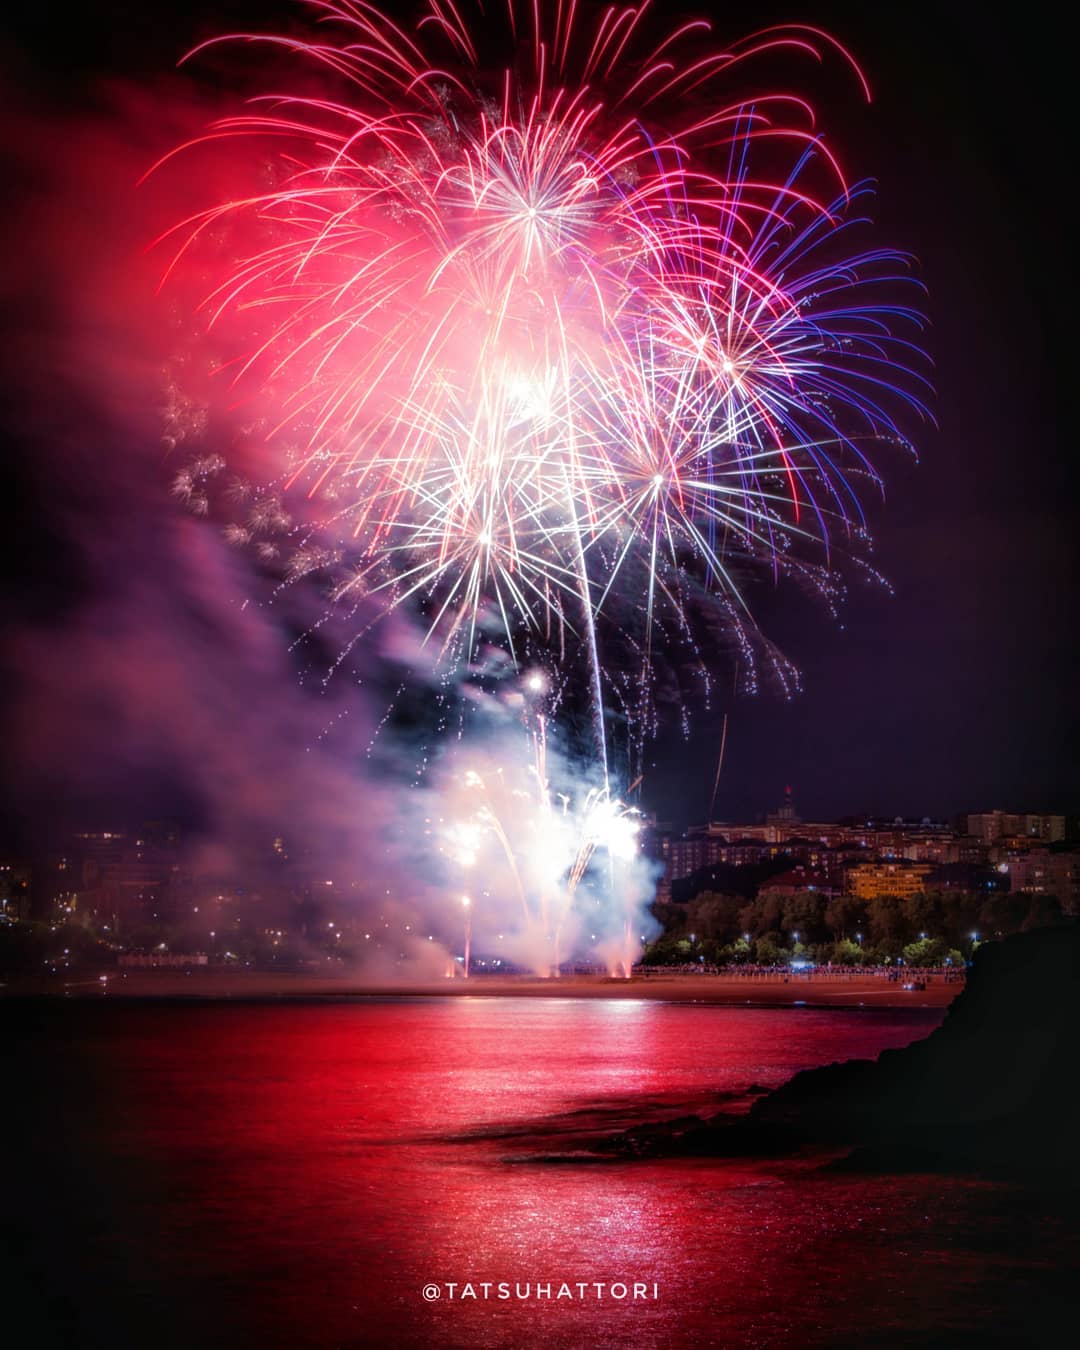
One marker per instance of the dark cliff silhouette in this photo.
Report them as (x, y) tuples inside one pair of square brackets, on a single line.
[(995, 1089)]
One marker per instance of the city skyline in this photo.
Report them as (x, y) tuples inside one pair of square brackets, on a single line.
[(892, 857), (55, 832)]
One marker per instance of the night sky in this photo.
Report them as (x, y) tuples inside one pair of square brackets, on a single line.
[(130, 690)]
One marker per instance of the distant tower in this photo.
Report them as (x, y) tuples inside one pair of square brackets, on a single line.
[(786, 815)]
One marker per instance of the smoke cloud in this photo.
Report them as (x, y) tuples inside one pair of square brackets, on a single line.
[(152, 669)]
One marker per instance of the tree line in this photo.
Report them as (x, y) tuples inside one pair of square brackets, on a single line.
[(928, 929)]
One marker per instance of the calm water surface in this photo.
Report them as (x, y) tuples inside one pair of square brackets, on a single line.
[(293, 1175)]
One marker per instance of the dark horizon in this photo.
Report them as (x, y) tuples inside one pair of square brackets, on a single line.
[(954, 694)]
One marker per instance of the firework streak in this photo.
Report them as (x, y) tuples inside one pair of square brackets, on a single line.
[(574, 334)]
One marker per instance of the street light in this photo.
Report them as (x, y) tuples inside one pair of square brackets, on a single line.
[(467, 904)]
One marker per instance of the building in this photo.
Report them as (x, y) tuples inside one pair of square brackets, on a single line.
[(1045, 871), (877, 855), (15, 891), (798, 881), (162, 960), (128, 880), (55, 888), (973, 878), (872, 880), (703, 846), (992, 826), (786, 815)]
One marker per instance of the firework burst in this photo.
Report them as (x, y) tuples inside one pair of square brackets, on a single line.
[(550, 328)]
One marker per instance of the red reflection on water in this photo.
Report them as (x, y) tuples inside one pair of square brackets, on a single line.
[(307, 1174)]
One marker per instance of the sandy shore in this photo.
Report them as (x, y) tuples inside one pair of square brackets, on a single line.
[(814, 991)]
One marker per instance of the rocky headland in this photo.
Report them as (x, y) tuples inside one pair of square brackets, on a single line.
[(994, 1090)]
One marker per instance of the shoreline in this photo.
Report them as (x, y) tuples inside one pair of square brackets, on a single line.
[(815, 991)]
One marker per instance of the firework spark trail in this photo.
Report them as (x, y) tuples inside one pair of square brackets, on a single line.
[(519, 325), (505, 813), (567, 340)]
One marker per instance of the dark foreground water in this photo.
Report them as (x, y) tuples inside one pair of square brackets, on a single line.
[(295, 1175)]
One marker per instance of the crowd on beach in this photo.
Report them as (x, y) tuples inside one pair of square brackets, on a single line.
[(750, 970)]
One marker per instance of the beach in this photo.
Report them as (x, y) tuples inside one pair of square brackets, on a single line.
[(819, 989)]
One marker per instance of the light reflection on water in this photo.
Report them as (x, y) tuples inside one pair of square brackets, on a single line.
[(292, 1176)]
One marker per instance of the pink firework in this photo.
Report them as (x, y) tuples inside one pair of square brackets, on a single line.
[(540, 323)]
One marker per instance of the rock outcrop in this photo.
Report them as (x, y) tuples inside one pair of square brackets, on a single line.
[(995, 1089)]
